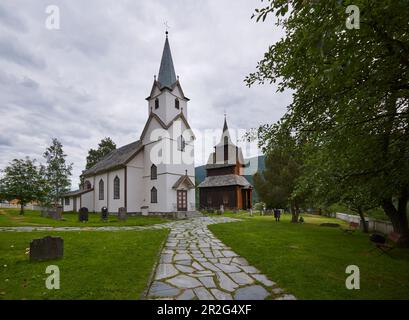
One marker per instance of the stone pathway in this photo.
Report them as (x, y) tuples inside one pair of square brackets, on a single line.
[(194, 264)]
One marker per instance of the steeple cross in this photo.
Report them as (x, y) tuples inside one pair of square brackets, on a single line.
[(167, 27)]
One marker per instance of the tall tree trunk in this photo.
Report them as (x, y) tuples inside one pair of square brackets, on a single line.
[(364, 225), (398, 218), (21, 209), (294, 214)]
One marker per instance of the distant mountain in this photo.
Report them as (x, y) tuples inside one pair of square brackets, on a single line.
[(255, 164)]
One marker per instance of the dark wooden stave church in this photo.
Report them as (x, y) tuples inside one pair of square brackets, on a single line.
[(225, 184)]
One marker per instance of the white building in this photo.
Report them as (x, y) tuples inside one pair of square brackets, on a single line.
[(154, 175)]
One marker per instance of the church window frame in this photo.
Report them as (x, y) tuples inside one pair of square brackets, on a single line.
[(177, 103), (154, 195), (117, 188), (156, 103), (154, 172), (101, 191)]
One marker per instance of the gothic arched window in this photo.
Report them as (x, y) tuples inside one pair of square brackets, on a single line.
[(156, 103), (101, 189), (154, 195), (87, 185), (154, 172), (117, 190), (177, 103)]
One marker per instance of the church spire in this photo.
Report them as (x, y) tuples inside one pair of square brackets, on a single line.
[(167, 75), (225, 128)]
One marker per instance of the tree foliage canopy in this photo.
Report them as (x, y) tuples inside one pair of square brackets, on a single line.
[(351, 93), (23, 180), (104, 147)]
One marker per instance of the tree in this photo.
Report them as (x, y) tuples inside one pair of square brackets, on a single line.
[(104, 147), (283, 166), (57, 172), (351, 92), (22, 181), (94, 156)]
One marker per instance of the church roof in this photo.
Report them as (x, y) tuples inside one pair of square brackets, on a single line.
[(167, 75), (115, 159), (225, 180), (77, 192)]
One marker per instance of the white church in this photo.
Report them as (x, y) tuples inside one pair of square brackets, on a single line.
[(155, 174)]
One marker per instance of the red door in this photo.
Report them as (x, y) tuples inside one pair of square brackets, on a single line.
[(182, 200)]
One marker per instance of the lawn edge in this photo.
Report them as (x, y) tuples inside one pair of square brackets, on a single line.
[(144, 294)]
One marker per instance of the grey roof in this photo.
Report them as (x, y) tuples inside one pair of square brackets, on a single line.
[(184, 179), (114, 159), (225, 127), (76, 192), (219, 165), (167, 75), (225, 180)]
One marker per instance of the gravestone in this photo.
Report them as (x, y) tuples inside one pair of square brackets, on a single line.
[(104, 214), (53, 213), (83, 214), (47, 248), (122, 214)]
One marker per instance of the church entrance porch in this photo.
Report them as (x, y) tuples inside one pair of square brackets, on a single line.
[(181, 200)]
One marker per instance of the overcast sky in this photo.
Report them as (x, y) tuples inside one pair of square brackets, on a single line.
[(89, 79)]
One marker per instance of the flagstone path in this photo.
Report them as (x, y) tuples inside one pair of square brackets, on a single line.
[(194, 264)]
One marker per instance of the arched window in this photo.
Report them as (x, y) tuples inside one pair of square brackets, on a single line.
[(156, 103), (87, 185), (154, 172), (181, 143), (177, 103), (101, 189), (154, 195), (116, 188)]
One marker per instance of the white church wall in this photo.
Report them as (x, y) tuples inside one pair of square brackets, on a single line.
[(135, 188), (69, 207), (87, 200), (77, 200)]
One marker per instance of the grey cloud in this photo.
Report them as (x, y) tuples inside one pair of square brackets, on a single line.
[(12, 50), (89, 80), (9, 19)]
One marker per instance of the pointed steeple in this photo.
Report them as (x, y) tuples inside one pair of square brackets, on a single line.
[(167, 75), (225, 124)]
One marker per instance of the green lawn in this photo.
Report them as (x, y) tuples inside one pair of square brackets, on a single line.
[(96, 265), (12, 218), (309, 260)]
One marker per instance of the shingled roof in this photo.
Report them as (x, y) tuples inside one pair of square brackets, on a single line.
[(225, 180), (167, 75), (115, 159)]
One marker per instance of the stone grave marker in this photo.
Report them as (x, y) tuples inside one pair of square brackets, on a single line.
[(83, 214), (47, 248), (122, 214)]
